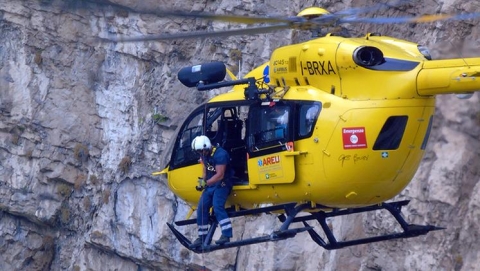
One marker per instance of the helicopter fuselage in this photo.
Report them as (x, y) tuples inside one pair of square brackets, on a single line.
[(356, 155), (348, 126)]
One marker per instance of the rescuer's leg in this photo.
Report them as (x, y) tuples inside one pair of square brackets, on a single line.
[(203, 210), (219, 199)]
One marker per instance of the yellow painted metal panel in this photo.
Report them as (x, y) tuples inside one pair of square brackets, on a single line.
[(274, 168)]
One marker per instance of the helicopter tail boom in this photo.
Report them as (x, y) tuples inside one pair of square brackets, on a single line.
[(452, 76)]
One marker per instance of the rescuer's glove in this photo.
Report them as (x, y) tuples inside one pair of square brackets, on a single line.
[(201, 184)]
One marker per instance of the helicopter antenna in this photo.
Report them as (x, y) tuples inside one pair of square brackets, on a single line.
[(464, 61), (460, 54), (239, 68)]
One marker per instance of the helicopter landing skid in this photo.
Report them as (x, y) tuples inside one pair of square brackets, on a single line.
[(291, 211), (284, 233), (409, 230)]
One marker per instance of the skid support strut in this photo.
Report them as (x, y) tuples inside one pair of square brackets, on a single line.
[(291, 210), (408, 230)]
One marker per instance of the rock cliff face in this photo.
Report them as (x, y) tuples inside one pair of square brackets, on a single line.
[(83, 124)]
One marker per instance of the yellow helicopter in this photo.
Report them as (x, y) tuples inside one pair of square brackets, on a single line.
[(328, 127)]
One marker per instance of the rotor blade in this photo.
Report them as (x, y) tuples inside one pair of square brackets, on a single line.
[(226, 18), (195, 14), (376, 7), (234, 32), (419, 19), (259, 19), (344, 16)]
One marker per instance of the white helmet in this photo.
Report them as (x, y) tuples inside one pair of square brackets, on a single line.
[(201, 143)]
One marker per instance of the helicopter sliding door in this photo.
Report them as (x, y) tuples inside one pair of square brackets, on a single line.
[(224, 124), (270, 144)]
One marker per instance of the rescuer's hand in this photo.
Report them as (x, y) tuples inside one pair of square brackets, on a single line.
[(201, 184)]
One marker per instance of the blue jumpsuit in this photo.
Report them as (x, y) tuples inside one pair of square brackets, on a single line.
[(215, 195)]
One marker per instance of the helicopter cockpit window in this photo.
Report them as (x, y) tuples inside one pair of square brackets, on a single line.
[(308, 114), (269, 126), (183, 154), (391, 134)]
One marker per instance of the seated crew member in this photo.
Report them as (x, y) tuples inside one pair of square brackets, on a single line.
[(282, 122), (217, 174), (311, 116)]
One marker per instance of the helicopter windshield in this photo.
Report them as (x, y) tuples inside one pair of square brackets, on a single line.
[(183, 154)]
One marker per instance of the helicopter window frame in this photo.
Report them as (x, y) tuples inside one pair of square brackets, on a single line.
[(182, 154), (427, 134), (270, 128), (307, 115), (222, 118), (391, 134)]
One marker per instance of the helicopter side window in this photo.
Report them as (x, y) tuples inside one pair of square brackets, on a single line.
[(308, 114), (223, 125), (391, 134), (182, 153), (214, 127), (269, 126)]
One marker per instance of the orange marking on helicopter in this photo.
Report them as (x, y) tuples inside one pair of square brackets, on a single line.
[(289, 146), (431, 18)]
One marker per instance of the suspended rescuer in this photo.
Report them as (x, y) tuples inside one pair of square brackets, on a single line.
[(217, 174)]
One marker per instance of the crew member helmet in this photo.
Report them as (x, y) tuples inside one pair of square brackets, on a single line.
[(201, 143)]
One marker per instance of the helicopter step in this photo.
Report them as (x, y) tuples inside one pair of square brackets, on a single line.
[(291, 210)]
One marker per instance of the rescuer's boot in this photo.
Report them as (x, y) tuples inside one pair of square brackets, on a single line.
[(198, 242), (223, 239)]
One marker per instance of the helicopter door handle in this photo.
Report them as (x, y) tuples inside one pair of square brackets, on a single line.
[(294, 153)]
